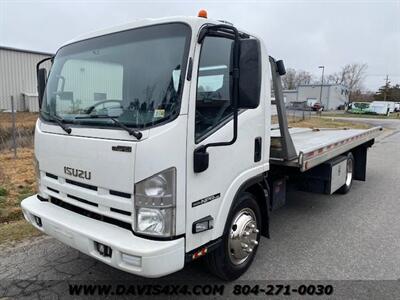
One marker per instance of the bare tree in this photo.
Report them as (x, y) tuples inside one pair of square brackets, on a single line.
[(303, 77), (351, 75), (289, 80), (294, 78)]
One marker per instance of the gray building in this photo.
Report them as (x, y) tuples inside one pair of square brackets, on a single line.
[(18, 78), (290, 96), (333, 95)]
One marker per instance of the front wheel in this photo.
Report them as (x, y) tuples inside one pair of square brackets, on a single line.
[(240, 240)]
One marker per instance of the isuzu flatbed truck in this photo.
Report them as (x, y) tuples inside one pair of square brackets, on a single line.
[(154, 147)]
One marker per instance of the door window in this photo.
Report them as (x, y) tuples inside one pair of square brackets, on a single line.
[(213, 100)]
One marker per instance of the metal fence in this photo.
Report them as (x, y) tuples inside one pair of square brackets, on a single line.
[(298, 115), (13, 136), (293, 115)]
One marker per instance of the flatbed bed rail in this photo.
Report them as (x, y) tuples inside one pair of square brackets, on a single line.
[(333, 143)]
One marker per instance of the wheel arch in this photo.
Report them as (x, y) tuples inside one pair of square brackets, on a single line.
[(258, 187)]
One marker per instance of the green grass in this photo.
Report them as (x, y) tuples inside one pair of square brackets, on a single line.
[(23, 193), (11, 213), (3, 194), (3, 191)]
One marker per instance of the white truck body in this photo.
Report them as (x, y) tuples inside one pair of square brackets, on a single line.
[(89, 178), (382, 107)]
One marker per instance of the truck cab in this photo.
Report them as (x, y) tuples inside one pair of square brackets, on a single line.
[(139, 196)]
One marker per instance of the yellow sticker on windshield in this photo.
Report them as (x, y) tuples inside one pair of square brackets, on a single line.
[(159, 113)]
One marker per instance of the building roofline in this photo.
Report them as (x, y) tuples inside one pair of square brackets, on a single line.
[(25, 50)]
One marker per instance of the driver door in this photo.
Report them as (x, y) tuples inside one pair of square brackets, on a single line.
[(211, 120)]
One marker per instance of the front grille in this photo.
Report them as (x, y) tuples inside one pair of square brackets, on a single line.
[(90, 214), (82, 200), (53, 190), (80, 184), (120, 194), (120, 211), (99, 201), (51, 176)]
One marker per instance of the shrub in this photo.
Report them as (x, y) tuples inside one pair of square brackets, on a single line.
[(3, 192)]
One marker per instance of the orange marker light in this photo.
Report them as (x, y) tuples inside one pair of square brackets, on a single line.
[(202, 14)]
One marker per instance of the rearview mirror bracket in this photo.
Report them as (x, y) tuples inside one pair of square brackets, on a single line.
[(41, 75), (200, 155)]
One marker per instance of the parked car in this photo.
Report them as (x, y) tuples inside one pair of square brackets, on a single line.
[(317, 107)]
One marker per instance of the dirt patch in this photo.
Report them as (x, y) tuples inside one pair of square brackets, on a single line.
[(17, 181), (395, 115), (13, 232), (23, 119), (318, 122), (24, 130)]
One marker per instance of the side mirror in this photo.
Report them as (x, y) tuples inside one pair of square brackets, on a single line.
[(280, 66), (250, 73), (41, 81), (200, 159)]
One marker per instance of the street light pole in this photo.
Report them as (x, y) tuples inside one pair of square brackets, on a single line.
[(322, 83)]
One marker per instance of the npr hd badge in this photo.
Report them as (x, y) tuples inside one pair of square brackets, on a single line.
[(206, 199)]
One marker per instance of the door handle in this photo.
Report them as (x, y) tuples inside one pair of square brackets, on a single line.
[(257, 149)]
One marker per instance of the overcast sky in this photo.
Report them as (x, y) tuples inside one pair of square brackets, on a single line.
[(304, 34)]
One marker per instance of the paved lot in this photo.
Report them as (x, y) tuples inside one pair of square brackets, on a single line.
[(354, 236)]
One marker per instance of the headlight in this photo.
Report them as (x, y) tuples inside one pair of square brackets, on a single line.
[(150, 220), (155, 186), (155, 203)]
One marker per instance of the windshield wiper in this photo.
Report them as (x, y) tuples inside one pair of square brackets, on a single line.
[(131, 131), (136, 134), (59, 122)]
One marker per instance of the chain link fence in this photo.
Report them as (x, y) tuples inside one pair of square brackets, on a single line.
[(15, 133), (293, 115)]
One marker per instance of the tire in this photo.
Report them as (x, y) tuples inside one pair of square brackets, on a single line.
[(225, 262), (349, 175)]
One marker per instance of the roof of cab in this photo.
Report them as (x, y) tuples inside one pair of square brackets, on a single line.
[(192, 21)]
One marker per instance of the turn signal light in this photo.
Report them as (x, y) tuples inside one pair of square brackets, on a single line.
[(202, 14), (200, 253)]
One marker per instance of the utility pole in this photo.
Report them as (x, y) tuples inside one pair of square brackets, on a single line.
[(386, 87), (13, 112), (322, 83)]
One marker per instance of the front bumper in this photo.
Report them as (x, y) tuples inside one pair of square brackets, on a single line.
[(156, 258)]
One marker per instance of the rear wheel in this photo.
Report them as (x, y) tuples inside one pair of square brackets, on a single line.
[(349, 175), (240, 240)]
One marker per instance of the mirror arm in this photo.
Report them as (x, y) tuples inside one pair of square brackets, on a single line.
[(235, 86), (42, 61), (201, 157), (40, 92)]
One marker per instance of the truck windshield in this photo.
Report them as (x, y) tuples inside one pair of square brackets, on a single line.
[(135, 76)]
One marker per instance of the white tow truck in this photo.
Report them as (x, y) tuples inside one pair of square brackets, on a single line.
[(154, 147)]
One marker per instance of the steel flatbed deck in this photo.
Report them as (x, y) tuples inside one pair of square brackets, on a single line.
[(315, 146)]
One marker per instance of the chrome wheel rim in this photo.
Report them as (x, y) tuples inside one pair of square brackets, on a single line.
[(349, 175), (243, 236)]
